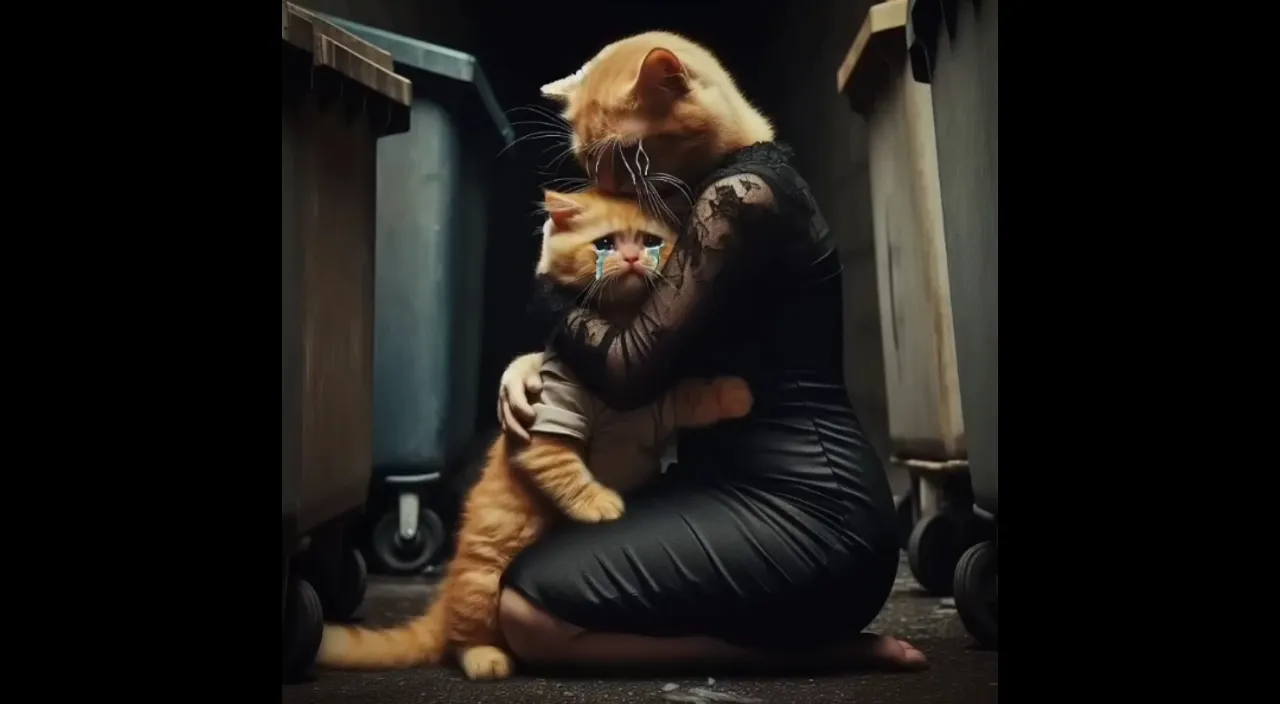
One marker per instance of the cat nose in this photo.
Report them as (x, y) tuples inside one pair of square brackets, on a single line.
[(631, 257)]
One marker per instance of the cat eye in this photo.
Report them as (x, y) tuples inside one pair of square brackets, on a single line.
[(604, 243), (652, 241)]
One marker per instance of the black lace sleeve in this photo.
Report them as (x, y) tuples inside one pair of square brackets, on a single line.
[(719, 253)]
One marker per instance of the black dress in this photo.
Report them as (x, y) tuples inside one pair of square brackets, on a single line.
[(776, 530)]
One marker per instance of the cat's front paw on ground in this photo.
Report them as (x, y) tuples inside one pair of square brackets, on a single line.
[(596, 505), (486, 662), (734, 397)]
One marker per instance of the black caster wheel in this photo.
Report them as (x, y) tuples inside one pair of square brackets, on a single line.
[(936, 544), (303, 627), (342, 598), (399, 556), (977, 593), (906, 518)]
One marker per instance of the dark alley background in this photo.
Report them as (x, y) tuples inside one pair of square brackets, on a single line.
[(784, 57)]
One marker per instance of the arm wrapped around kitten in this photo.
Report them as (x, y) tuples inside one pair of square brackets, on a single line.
[(566, 420)]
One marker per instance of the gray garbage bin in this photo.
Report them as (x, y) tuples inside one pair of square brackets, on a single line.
[(339, 95), (954, 47), (434, 188), (926, 426)]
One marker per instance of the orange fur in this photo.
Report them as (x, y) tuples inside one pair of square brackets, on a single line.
[(577, 221), (524, 489), (655, 104)]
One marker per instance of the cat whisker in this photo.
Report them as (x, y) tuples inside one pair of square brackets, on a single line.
[(601, 148), (568, 179), (566, 153), (539, 110), (532, 135), (600, 288), (567, 182), (672, 179), (680, 185), (590, 290), (641, 152), (598, 148), (664, 210), (642, 198), (553, 147), (644, 194), (650, 281), (623, 158), (582, 278), (543, 123), (652, 201)]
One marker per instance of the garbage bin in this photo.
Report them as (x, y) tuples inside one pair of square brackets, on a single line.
[(926, 426), (338, 96), (955, 49), (435, 184)]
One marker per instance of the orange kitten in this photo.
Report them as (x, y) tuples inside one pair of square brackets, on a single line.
[(608, 246), (655, 105)]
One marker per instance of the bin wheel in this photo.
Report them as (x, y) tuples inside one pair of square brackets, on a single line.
[(906, 518), (936, 544), (303, 627), (977, 582), (345, 596), (399, 556)]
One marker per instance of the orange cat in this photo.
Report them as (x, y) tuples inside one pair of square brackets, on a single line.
[(610, 247), (657, 106)]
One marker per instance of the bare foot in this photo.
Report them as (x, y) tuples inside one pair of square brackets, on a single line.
[(871, 650)]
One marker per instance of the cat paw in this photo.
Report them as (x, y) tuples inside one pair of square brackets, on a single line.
[(485, 662), (596, 506), (734, 397)]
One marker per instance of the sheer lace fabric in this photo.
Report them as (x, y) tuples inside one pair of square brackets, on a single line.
[(729, 239)]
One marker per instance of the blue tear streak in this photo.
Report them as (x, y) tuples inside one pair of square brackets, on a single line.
[(652, 253)]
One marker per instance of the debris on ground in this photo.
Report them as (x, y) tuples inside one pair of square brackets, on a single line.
[(702, 695)]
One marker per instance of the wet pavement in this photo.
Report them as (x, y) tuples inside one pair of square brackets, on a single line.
[(959, 673)]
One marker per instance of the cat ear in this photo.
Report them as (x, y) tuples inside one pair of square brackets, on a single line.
[(563, 88), (561, 209), (661, 75)]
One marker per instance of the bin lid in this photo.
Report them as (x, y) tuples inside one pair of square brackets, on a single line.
[(879, 47), (927, 18), (412, 55), (352, 59)]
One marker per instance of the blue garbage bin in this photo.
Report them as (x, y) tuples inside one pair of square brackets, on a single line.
[(434, 189), (954, 46)]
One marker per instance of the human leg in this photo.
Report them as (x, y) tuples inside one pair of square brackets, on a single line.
[(538, 638), (697, 573)]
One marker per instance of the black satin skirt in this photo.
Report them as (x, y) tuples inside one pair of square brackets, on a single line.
[(776, 531)]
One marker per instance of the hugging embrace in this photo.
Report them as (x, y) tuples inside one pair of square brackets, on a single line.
[(692, 285)]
